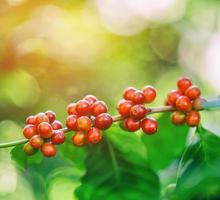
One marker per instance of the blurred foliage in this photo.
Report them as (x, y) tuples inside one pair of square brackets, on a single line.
[(165, 143), (110, 176), (55, 52), (200, 168)]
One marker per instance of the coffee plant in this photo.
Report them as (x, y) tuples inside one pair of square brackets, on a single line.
[(113, 168)]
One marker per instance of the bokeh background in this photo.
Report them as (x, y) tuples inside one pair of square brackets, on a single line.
[(55, 52)]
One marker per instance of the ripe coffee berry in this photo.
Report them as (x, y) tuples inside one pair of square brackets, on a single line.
[(58, 137), (178, 117), (103, 121), (51, 115), (193, 118), (172, 97), (149, 126), (79, 138), (71, 122), (93, 136), (29, 131), (124, 107), (41, 117), (99, 107), (138, 111), (83, 108), (149, 93), (130, 124), (183, 104), (83, 123), (128, 93), (31, 120), (193, 92), (138, 97), (45, 130), (56, 125), (90, 99), (48, 150), (36, 141), (28, 149), (71, 109), (183, 84)]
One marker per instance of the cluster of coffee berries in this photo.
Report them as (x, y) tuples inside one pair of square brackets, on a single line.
[(132, 108), (43, 132), (187, 101), (87, 118)]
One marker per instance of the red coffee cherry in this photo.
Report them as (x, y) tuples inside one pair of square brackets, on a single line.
[(193, 92), (48, 150), (79, 138), (84, 123), (28, 149), (31, 120), (71, 109), (193, 118), (130, 124), (41, 117), (71, 122), (56, 125), (51, 115), (29, 131), (128, 93), (138, 97), (103, 121), (99, 107), (36, 141), (138, 111), (94, 135), (149, 126), (91, 99), (172, 97), (45, 130), (150, 93), (124, 107), (183, 104), (83, 108), (178, 117), (58, 137), (184, 83), (197, 103)]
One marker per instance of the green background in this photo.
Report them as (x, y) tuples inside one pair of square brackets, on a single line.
[(55, 52)]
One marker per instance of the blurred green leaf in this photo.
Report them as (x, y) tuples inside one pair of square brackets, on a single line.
[(167, 144), (24, 160), (110, 176), (199, 170), (62, 181), (71, 153)]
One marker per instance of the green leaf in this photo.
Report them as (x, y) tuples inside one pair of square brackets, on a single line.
[(200, 182), (128, 143), (167, 144), (24, 160), (203, 148), (199, 171), (210, 144), (110, 176), (71, 153)]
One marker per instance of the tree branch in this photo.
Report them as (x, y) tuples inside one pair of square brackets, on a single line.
[(212, 104)]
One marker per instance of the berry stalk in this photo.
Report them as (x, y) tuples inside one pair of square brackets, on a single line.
[(211, 104)]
